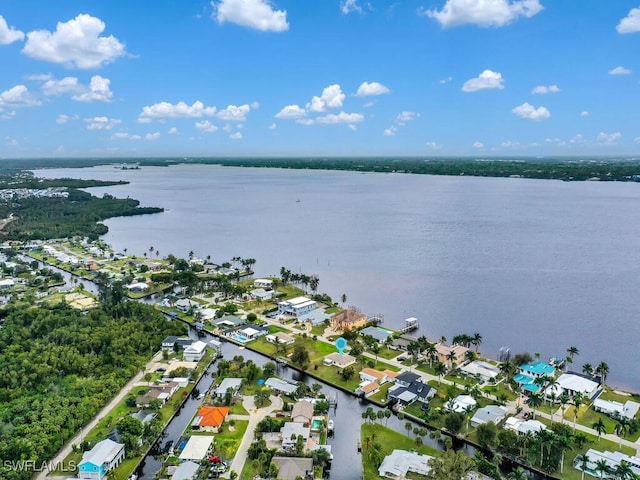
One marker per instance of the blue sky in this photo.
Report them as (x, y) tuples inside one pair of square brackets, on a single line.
[(319, 77)]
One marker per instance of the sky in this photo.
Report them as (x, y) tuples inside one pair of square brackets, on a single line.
[(111, 78)]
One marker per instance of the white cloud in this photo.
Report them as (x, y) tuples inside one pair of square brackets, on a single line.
[(484, 13), (172, 131), (544, 89), (256, 14), (578, 138), (98, 91), (179, 110), (584, 113), (8, 115), (390, 132), (487, 80), (369, 104), (619, 71), (433, 145), (510, 144), (529, 112), (234, 113), (76, 43), (12, 142), (125, 136), (206, 126), (445, 80), (608, 138), (273, 126), (236, 136), (342, 117), (62, 119), (349, 6), (630, 23), (478, 145), (101, 123), (352, 127), (304, 121), (332, 97), (18, 96), (9, 34), (60, 87), (255, 105), (39, 77), (152, 136), (637, 139), (291, 111), (370, 89), (407, 117)]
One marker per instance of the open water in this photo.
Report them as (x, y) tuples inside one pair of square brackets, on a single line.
[(533, 265)]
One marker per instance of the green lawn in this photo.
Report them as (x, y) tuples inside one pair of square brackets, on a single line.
[(610, 395), (381, 395), (500, 389), (228, 441), (237, 409), (390, 440)]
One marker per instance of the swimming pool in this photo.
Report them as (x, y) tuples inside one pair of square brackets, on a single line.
[(242, 338), (316, 424)]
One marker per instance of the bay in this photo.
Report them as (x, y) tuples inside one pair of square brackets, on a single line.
[(533, 265)]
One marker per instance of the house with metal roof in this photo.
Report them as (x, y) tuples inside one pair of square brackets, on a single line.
[(103, 457), (490, 413)]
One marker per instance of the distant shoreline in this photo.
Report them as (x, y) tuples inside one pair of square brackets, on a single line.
[(557, 168)]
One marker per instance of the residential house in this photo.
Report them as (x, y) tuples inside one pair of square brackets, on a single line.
[(416, 391), (302, 412), (380, 334), (161, 393), (571, 383), (372, 375), (481, 370), (251, 333), (7, 283), (233, 383), (338, 360), (348, 319), (281, 386), (628, 410), (522, 427), (461, 403), (490, 413), (170, 343), (261, 294), (296, 307), (528, 372), (103, 457), (186, 471), (209, 419), (450, 355), (292, 468), (406, 378), (402, 343), (368, 388), (137, 287), (195, 351), (265, 283), (228, 322), (612, 459), (197, 448), (280, 338), (184, 305), (400, 462), (290, 432)]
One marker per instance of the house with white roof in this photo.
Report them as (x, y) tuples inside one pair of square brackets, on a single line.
[(281, 386), (479, 369), (186, 471), (400, 462), (461, 403), (296, 306), (137, 287), (265, 283), (290, 432), (251, 333), (261, 294), (571, 383), (611, 408), (612, 459), (103, 457), (194, 352), (233, 383), (521, 427), (280, 338), (197, 448)]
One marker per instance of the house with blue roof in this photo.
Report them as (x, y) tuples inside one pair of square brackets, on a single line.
[(103, 457), (528, 372)]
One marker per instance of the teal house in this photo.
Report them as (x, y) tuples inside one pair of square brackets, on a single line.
[(104, 456)]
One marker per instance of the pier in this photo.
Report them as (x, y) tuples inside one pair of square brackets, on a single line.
[(410, 324)]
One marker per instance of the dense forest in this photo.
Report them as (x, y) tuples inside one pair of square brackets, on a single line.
[(559, 168), (59, 367), (58, 217)]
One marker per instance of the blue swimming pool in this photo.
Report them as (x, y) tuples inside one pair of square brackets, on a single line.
[(243, 339)]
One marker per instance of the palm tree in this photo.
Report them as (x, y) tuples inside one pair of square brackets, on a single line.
[(587, 369), (451, 356), (440, 370), (476, 340), (375, 348), (602, 370), (534, 401), (564, 401), (517, 474), (431, 352), (583, 458), (578, 399), (599, 427), (562, 442), (623, 471), (621, 427), (602, 467), (344, 299), (572, 351)]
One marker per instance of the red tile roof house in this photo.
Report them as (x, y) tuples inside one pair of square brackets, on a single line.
[(209, 419)]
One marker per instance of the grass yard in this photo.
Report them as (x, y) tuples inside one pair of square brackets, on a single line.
[(390, 440), (228, 441), (500, 389)]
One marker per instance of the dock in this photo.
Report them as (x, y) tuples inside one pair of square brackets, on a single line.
[(410, 324)]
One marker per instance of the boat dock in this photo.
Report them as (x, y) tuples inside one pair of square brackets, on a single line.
[(410, 324)]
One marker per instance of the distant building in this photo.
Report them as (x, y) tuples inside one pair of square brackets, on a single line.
[(490, 413), (629, 409), (291, 468), (400, 462), (296, 307), (338, 360), (209, 419), (197, 448), (302, 412), (194, 352), (445, 352), (612, 459), (348, 319), (571, 384), (265, 283)]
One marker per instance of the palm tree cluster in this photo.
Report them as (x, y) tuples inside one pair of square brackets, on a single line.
[(467, 340), (307, 281)]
